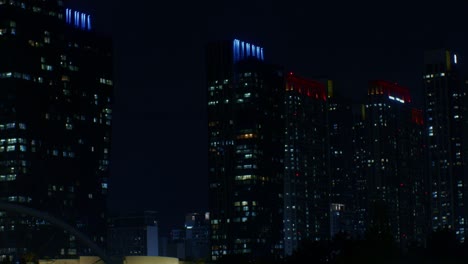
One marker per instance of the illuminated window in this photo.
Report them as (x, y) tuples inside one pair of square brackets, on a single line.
[(246, 136)]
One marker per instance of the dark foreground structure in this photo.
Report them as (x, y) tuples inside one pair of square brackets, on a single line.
[(55, 126)]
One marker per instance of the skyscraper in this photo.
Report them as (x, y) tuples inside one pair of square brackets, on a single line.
[(306, 174), (446, 119), (55, 126), (394, 173), (246, 150)]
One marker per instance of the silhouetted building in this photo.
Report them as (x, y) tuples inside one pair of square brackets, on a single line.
[(133, 235), (246, 150), (197, 236), (394, 171), (163, 242), (445, 121), (55, 126), (306, 178), (191, 243), (176, 247)]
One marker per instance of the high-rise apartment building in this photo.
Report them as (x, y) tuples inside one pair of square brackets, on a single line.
[(306, 174), (394, 172), (246, 150), (445, 128), (342, 180), (55, 126)]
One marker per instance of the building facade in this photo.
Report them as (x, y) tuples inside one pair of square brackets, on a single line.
[(55, 126), (246, 150), (446, 119), (306, 174), (395, 156), (359, 163), (197, 236), (191, 243)]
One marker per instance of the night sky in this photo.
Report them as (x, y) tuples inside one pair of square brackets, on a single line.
[(159, 155)]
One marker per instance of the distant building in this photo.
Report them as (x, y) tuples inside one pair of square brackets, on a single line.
[(245, 151), (176, 246), (338, 219), (177, 234), (163, 245), (191, 243), (306, 174), (395, 156), (133, 235), (446, 107), (197, 236), (55, 126)]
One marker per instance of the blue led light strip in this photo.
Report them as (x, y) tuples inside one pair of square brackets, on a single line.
[(80, 20), (89, 22), (242, 50)]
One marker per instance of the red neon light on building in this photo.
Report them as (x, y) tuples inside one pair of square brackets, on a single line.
[(417, 116), (390, 89), (301, 85)]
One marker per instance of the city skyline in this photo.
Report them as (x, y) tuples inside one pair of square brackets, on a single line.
[(161, 119), (356, 52), (274, 141)]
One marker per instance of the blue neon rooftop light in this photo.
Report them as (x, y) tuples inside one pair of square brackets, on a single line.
[(83, 22), (243, 50), (89, 22), (80, 20)]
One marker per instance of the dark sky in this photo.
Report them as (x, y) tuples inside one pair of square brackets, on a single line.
[(159, 131)]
